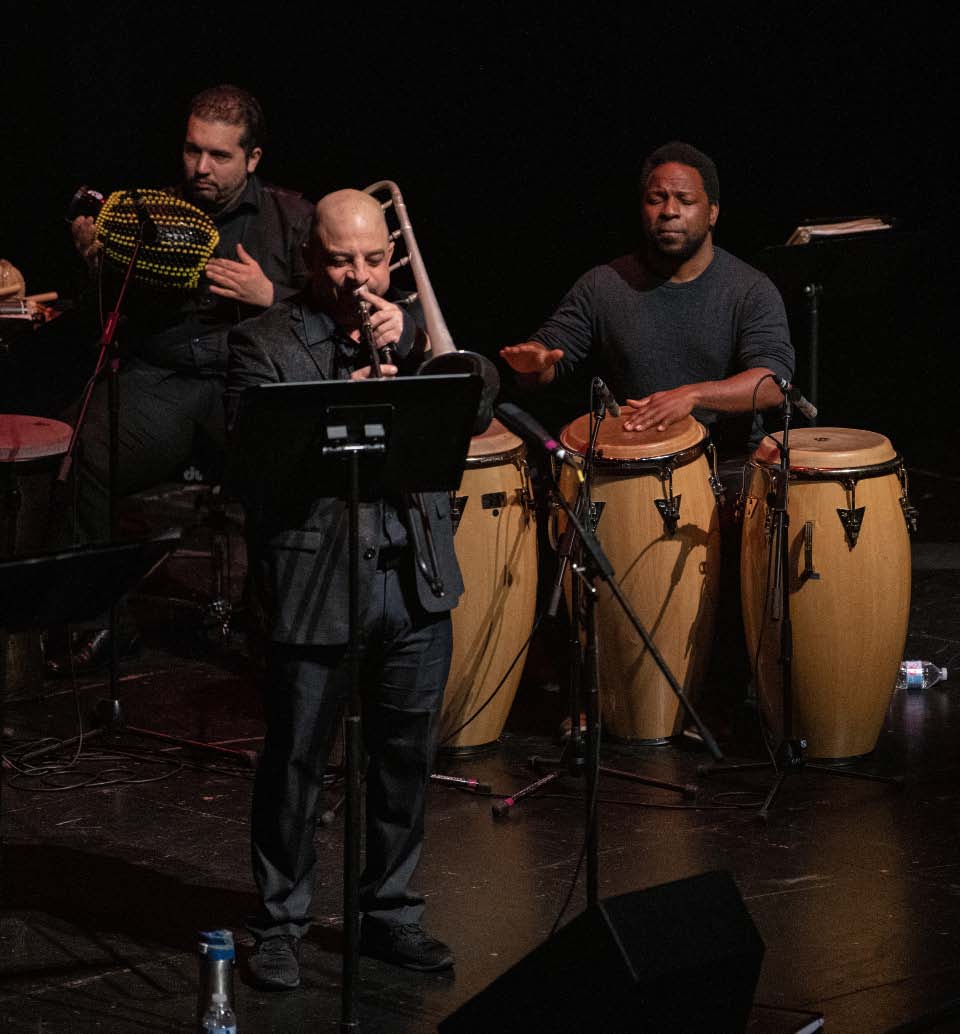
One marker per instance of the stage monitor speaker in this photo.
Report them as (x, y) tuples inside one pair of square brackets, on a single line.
[(681, 958)]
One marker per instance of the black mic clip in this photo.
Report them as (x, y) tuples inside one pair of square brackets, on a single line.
[(807, 408), (148, 228), (85, 201)]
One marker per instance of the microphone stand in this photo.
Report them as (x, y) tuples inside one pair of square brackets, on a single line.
[(108, 356), (584, 685), (789, 755), (110, 712)]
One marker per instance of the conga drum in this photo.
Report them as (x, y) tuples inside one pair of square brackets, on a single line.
[(496, 544), (656, 517), (30, 451), (849, 585)]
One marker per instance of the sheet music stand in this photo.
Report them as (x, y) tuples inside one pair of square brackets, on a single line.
[(356, 440), (833, 265)]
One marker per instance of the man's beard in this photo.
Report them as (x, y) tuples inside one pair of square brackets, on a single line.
[(689, 246), (215, 202)]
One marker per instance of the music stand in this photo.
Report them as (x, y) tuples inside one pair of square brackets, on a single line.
[(303, 442), (822, 261), (60, 587)]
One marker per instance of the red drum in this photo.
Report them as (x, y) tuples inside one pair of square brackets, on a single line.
[(849, 585), (657, 520), (30, 452), (496, 544)]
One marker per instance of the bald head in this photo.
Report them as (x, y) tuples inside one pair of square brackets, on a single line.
[(347, 209), (349, 246)]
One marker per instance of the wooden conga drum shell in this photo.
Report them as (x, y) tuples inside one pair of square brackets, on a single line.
[(670, 580), (849, 603), (496, 547)]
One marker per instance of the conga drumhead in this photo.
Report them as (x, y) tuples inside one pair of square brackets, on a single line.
[(828, 448), (25, 438), (615, 443), (495, 442)]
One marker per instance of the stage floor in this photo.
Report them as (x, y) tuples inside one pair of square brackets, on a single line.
[(111, 865)]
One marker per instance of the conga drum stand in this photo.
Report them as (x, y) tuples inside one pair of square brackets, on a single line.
[(580, 757), (788, 757)]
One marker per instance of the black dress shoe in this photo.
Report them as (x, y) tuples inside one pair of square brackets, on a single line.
[(404, 944), (274, 963), (90, 653)]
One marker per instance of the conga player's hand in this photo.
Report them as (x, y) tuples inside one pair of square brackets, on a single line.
[(531, 358), (660, 410)]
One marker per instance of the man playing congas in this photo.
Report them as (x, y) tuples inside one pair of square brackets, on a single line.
[(677, 327), (680, 331)]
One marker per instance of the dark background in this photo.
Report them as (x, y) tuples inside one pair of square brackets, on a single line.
[(516, 134)]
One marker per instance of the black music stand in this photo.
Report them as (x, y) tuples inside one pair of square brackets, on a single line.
[(835, 265), (354, 440), (60, 587)]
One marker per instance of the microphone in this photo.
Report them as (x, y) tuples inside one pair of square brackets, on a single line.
[(521, 423), (148, 228), (605, 395), (85, 201), (806, 407)]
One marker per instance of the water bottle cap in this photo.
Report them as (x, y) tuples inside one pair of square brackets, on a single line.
[(216, 936), (217, 952)]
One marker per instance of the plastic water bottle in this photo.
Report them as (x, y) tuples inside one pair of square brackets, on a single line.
[(219, 1017), (919, 675), (215, 987)]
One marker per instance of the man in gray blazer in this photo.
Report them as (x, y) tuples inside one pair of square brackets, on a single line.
[(299, 574)]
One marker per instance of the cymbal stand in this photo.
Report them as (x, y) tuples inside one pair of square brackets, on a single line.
[(789, 754), (582, 754)]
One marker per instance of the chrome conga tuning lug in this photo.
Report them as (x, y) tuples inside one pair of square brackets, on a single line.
[(526, 503), (718, 490), (767, 523), (594, 514), (910, 514)]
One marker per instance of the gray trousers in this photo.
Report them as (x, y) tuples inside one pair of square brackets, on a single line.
[(405, 668)]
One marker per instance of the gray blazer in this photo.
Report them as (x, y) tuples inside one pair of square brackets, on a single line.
[(298, 538)]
